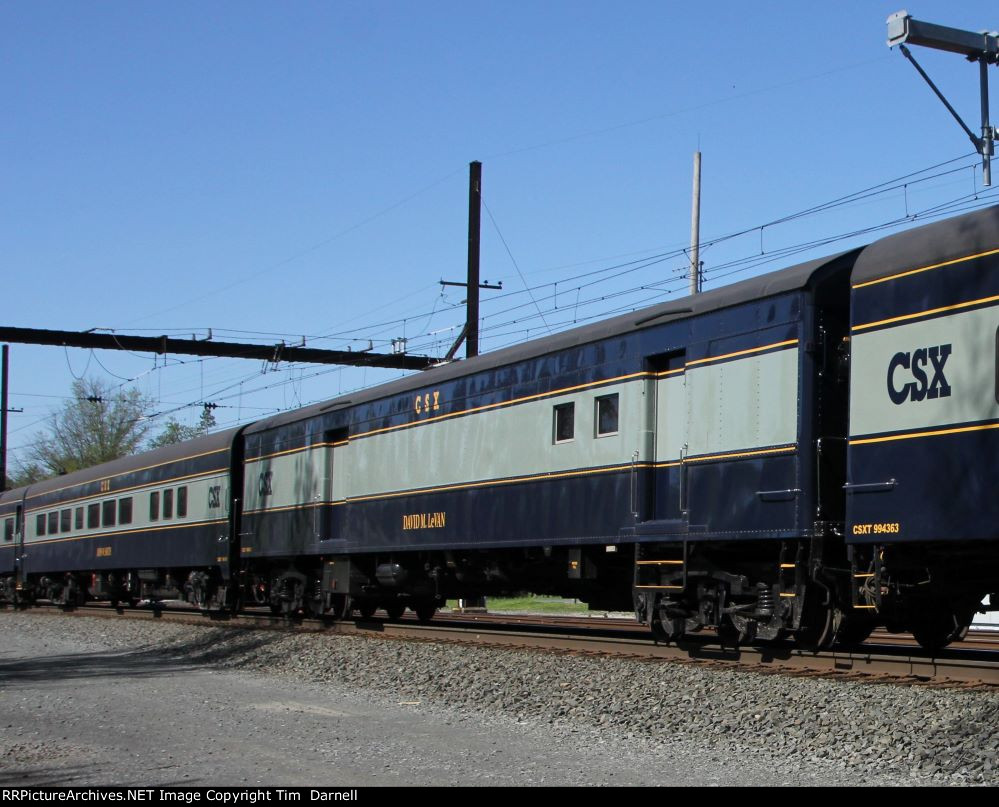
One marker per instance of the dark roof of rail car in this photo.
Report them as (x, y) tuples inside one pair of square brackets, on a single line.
[(929, 245), (768, 285), (158, 456)]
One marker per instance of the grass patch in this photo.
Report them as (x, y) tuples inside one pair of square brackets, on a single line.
[(532, 603)]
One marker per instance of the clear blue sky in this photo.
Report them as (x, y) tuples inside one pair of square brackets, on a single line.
[(300, 168)]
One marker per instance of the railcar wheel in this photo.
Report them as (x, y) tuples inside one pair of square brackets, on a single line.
[(728, 635), (367, 609), (395, 610), (664, 621), (818, 622), (425, 611), (340, 607), (937, 625), (854, 630)]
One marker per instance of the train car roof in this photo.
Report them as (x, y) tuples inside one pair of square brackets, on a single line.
[(208, 444), (929, 245), (755, 288)]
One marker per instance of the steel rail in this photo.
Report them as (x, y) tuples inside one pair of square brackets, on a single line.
[(876, 662)]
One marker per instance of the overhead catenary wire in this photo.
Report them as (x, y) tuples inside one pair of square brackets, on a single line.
[(622, 299)]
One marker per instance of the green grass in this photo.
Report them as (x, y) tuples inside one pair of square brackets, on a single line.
[(535, 604)]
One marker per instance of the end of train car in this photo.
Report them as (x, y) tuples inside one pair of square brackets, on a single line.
[(922, 513)]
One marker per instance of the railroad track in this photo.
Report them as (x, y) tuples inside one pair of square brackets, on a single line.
[(885, 658)]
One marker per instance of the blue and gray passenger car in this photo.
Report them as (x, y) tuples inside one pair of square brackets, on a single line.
[(807, 454)]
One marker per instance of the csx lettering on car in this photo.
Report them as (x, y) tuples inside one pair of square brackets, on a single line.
[(921, 387)]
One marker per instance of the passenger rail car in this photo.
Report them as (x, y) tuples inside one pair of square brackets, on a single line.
[(922, 504), (804, 454), (150, 526)]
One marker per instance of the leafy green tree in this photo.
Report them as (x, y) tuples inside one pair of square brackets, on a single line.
[(176, 432), (26, 475), (98, 424)]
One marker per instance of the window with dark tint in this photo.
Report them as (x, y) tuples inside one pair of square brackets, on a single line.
[(53, 523), (182, 502), (125, 511), (79, 518), (564, 426), (168, 503), (40, 525), (154, 506), (93, 516), (65, 521), (605, 415), (8, 530), (107, 516)]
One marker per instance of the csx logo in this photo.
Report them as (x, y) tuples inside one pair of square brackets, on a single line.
[(901, 389), (425, 403)]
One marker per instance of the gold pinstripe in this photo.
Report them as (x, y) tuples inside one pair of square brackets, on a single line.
[(926, 313), (747, 352), (488, 482), (130, 471), (927, 433), (926, 268), (758, 452), (529, 478), (95, 499), (302, 506), (499, 404), (526, 398)]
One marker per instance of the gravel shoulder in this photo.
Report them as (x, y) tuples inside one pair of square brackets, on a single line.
[(114, 701)]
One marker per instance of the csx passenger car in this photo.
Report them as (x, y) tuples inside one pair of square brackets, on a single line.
[(808, 453)]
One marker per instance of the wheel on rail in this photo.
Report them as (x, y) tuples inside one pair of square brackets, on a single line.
[(818, 621), (665, 630), (366, 609), (935, 625), (728, 635), (425, 610), (340, 607), (854, 630), (395, 610)]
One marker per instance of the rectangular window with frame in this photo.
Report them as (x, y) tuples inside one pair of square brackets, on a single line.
[(79, 518), (168, 503), (182, 502), (563, 422), (66, 520), (40, 524), (93, 516), (109, 508), (154, 506), (125, 511), (8, 529), (54, 523), (605, 415)]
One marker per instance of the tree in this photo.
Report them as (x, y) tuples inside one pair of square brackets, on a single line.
[(176, 432), (26, 475), (98, 424)]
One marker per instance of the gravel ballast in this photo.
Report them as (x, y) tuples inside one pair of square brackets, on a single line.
[(800, 730)]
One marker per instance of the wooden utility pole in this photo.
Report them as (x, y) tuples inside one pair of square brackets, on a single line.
[(695, 228)]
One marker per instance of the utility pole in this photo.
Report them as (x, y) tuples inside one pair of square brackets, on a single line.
[(695, 228), (474, 222), (470, 333), (3, 420), (981, 47)]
